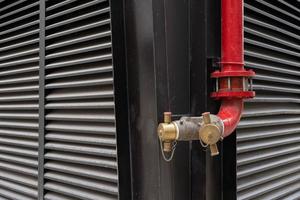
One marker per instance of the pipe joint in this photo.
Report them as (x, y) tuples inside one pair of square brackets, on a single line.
[(233, 84), (208, 129)]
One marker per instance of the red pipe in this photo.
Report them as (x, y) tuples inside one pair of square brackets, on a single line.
[(232, 61), (230, 113)]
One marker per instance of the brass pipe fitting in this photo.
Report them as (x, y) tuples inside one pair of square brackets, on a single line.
[(207, 128), (210, 133), (167, 132)]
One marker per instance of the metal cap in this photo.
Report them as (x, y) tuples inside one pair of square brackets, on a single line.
[(167, 132)]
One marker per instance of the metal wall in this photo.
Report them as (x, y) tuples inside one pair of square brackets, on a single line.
[(158, 80), (268, 139), (57, 109), (19, 99)]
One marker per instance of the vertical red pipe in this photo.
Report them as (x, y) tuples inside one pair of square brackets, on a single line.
[(232, 35), (232, 60)]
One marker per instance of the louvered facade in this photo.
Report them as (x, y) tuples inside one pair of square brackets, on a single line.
[(79, 156), (60, 103), (268, 137), (19, 99)]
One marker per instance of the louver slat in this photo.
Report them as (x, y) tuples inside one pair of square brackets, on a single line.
[(19, 65), (80, 130), (268, 142)]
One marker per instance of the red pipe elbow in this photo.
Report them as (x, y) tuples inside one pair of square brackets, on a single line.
[(230, 113)]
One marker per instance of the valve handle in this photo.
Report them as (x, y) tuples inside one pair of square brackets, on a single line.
[(214, 150), (167, 117), (206, 118), (210, 134)]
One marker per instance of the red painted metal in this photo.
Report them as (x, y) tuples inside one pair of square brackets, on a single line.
[(230, 113), (243, 73), (232, 95), (232, 75)]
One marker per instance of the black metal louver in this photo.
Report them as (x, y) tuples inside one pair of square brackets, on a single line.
[(80, 156), (80, 133), (19, 85), (268, 140)]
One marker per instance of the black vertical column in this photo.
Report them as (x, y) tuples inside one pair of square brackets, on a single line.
[(41, 139), (213, 164), (198, 48), (121, 99), (158, 81)]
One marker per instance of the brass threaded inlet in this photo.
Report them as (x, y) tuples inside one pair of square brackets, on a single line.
[(167, 132)]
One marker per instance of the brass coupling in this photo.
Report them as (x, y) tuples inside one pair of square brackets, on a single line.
[(210, 133), (167, 132)]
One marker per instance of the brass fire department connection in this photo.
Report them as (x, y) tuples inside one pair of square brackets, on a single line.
[(207, 129)]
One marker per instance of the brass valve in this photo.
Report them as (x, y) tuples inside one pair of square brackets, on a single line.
[(167, 132), (210, 134), (208, 129)]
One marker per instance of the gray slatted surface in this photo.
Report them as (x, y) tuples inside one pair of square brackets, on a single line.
[(80, 139), (19, 55), (80, 131), (268, 137)]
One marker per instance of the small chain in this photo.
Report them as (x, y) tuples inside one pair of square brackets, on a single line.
[(172, 153), (203, 145)]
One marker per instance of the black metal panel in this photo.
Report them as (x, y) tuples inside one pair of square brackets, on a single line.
[(139, 43), (198, 92), (121, 101), (157, 63)]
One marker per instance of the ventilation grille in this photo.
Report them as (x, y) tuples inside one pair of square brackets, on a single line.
[(80, 138), (268, 137), (19, 68), (80, 147)]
